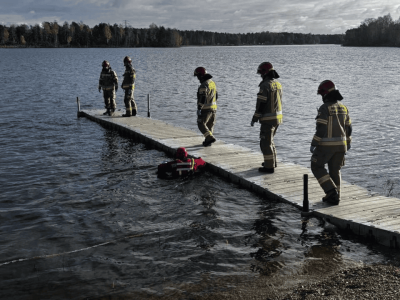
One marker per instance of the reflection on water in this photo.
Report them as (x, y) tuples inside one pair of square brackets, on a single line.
[(90, 195)]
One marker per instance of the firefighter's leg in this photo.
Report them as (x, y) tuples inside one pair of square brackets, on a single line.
[(211, 122), (267, 145), (112, 101), (202, 124), (334, 165), (127, 101), (318, 161), (133, 105), (106, 103)]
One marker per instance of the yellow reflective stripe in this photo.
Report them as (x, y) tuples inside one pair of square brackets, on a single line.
[(202, 90), (207, 134), (268, 157), (341, 143), (264, 98), (128, 85), (334, 139), (317, 138), (272, 116), (324, 179), (257, 115), (322, 121), (212, 105)]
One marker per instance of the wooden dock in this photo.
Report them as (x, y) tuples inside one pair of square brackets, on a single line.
[(373, 216)]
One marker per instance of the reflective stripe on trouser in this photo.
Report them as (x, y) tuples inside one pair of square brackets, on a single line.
[(109, 99), (267, 145), (335, 161), (206, 123), (130, 103)]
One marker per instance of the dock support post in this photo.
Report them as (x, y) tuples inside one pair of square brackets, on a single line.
[(79, 106), (148, 105), (306, 205)]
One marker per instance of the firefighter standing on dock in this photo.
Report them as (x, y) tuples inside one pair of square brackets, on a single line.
[(128, 85), (268, 113), (331, 141), (109, 83), (207, 96)]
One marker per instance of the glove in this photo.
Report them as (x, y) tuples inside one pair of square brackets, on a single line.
[(348, 147), (199, 112), (312, 148), (252, 123), (99, 90)]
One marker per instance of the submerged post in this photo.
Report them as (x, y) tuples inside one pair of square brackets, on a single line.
[(148, 105), (79, 106), (306, 205)]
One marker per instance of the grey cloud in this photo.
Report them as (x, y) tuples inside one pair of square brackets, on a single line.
[(306, 16)]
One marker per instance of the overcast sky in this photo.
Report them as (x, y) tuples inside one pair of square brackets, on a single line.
[(303, 16)]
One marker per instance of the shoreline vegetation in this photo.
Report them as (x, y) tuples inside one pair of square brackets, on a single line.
[(382, 31), (80, 35)]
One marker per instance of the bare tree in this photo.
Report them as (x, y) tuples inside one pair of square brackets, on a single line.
[(107, 33)]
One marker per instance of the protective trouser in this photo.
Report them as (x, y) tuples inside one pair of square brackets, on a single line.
[(109, 99), (335, 161), (206, 123), (267, 145), (130, 104)]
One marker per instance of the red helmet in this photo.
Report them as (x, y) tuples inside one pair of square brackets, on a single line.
[(326, 87), (105, 64), (181, 153), (264, 68), (200, 71), (127, 60)]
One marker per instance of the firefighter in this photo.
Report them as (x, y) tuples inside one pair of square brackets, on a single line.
[(181, 166), (207, 96), (128, 85), (331, 141), (268, 113), (109, 83)]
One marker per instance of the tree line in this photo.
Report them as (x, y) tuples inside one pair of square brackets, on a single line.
[(51, 34), (382, 31)]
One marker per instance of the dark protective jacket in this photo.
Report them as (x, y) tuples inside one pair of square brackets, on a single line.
[(333, 130), (207, 94), (108, 79), (269, 102), (129, 78), (179, 167)]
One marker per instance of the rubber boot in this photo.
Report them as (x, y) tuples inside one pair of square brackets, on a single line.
[(266, 170), (209, 140), (107, 112), (331, 197), (112, 111)]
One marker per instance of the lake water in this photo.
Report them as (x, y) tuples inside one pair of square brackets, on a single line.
[(90, 197)]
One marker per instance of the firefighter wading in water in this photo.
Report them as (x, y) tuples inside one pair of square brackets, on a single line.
[(206, 105), (128, 85), (331, 141), (181, 166), (109, 83), (268, 113)]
